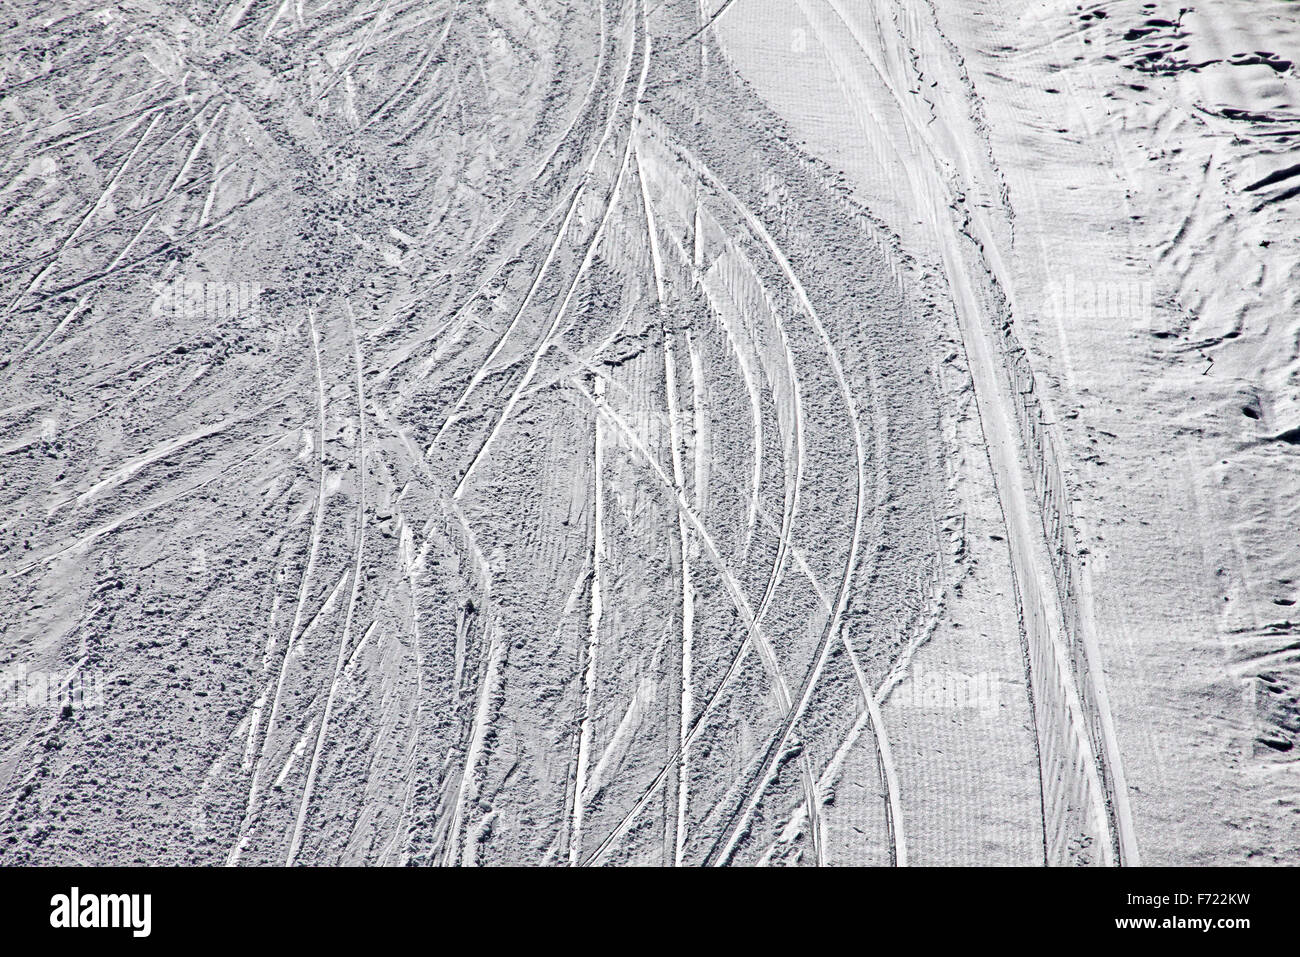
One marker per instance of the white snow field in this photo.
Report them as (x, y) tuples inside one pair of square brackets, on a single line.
[(649, 432)]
